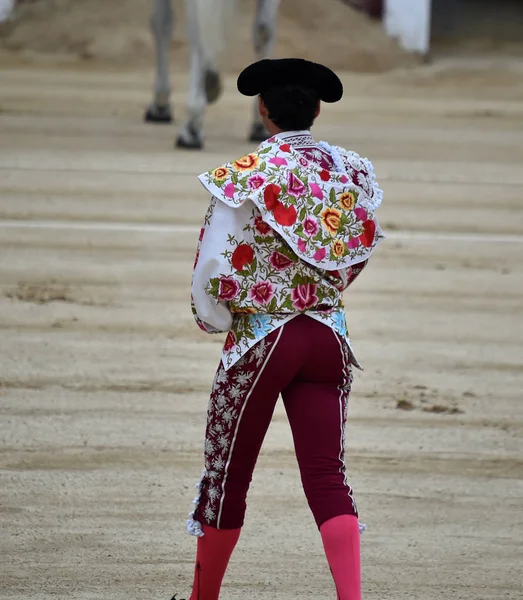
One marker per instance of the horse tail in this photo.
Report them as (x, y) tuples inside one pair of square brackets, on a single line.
[(210, 20)]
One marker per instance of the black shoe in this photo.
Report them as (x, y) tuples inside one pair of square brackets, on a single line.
[(174, 598)]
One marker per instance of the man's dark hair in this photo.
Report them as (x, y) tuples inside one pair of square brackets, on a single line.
[(291, 107)]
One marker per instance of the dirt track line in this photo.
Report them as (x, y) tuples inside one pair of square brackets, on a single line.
[(466, 238)]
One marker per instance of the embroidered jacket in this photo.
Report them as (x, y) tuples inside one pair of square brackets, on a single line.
[(283, 236)]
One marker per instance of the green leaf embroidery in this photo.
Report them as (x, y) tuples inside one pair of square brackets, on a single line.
[(288, 304), (273, 305), (213, 287)]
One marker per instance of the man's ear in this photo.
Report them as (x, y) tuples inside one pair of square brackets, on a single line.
[(318, 110)]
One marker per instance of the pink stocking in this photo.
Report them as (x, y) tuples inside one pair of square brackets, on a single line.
[(341, 541), (212, 557)]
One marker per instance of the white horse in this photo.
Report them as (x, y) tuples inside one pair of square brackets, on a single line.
[(207, 20), (6, 9)]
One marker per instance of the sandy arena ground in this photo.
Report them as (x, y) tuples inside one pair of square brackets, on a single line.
[(104, 376)]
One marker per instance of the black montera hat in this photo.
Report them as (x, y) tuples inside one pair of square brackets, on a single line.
[(266, 74)]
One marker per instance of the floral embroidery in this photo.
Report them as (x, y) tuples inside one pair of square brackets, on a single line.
[(285, 215), (256, 181), (242, 256), (228, 289), (304, 296), (338, 248), (347, 200), (229, 392), (247, 163), (291, 193), (270, 196), (230, 341), (330, 219), (220, 173), (310, 228), (295, 186), (280, 261), (262, 292), (265, 285)]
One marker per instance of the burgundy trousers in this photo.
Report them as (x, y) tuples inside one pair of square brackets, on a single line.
[(308, 364)]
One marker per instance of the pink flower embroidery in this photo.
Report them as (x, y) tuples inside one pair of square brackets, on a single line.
[(262, 292), (279, 261), (279, 162), (228, 289), (344, 179), (229, 190), (303, 162), (320, 254), (353, 243), (296, 187), (256, 181), (302, 246), (304, 296), (361, 214), (310, 226), (316, 190)]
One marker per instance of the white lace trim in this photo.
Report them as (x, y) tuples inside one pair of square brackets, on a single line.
[(354, 162), (195, 527), (297, 138), (335, 155), (345, 161)]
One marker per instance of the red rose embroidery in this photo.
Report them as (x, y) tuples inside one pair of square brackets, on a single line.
[(228, 289), (304, 296), (325, 175), (261, 226), (242, 256), (230, 341), (285, 148), (367, 237), (270, 196), (285, 216), (262, 292), (279, 261)]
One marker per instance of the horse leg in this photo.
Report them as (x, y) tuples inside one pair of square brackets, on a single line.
[(264, 38), (162, 17), (206, 33), (191, 135)]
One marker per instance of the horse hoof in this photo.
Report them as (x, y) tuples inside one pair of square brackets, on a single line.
[(189, 144), (213, 86), (258, 133), (158, 114)]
